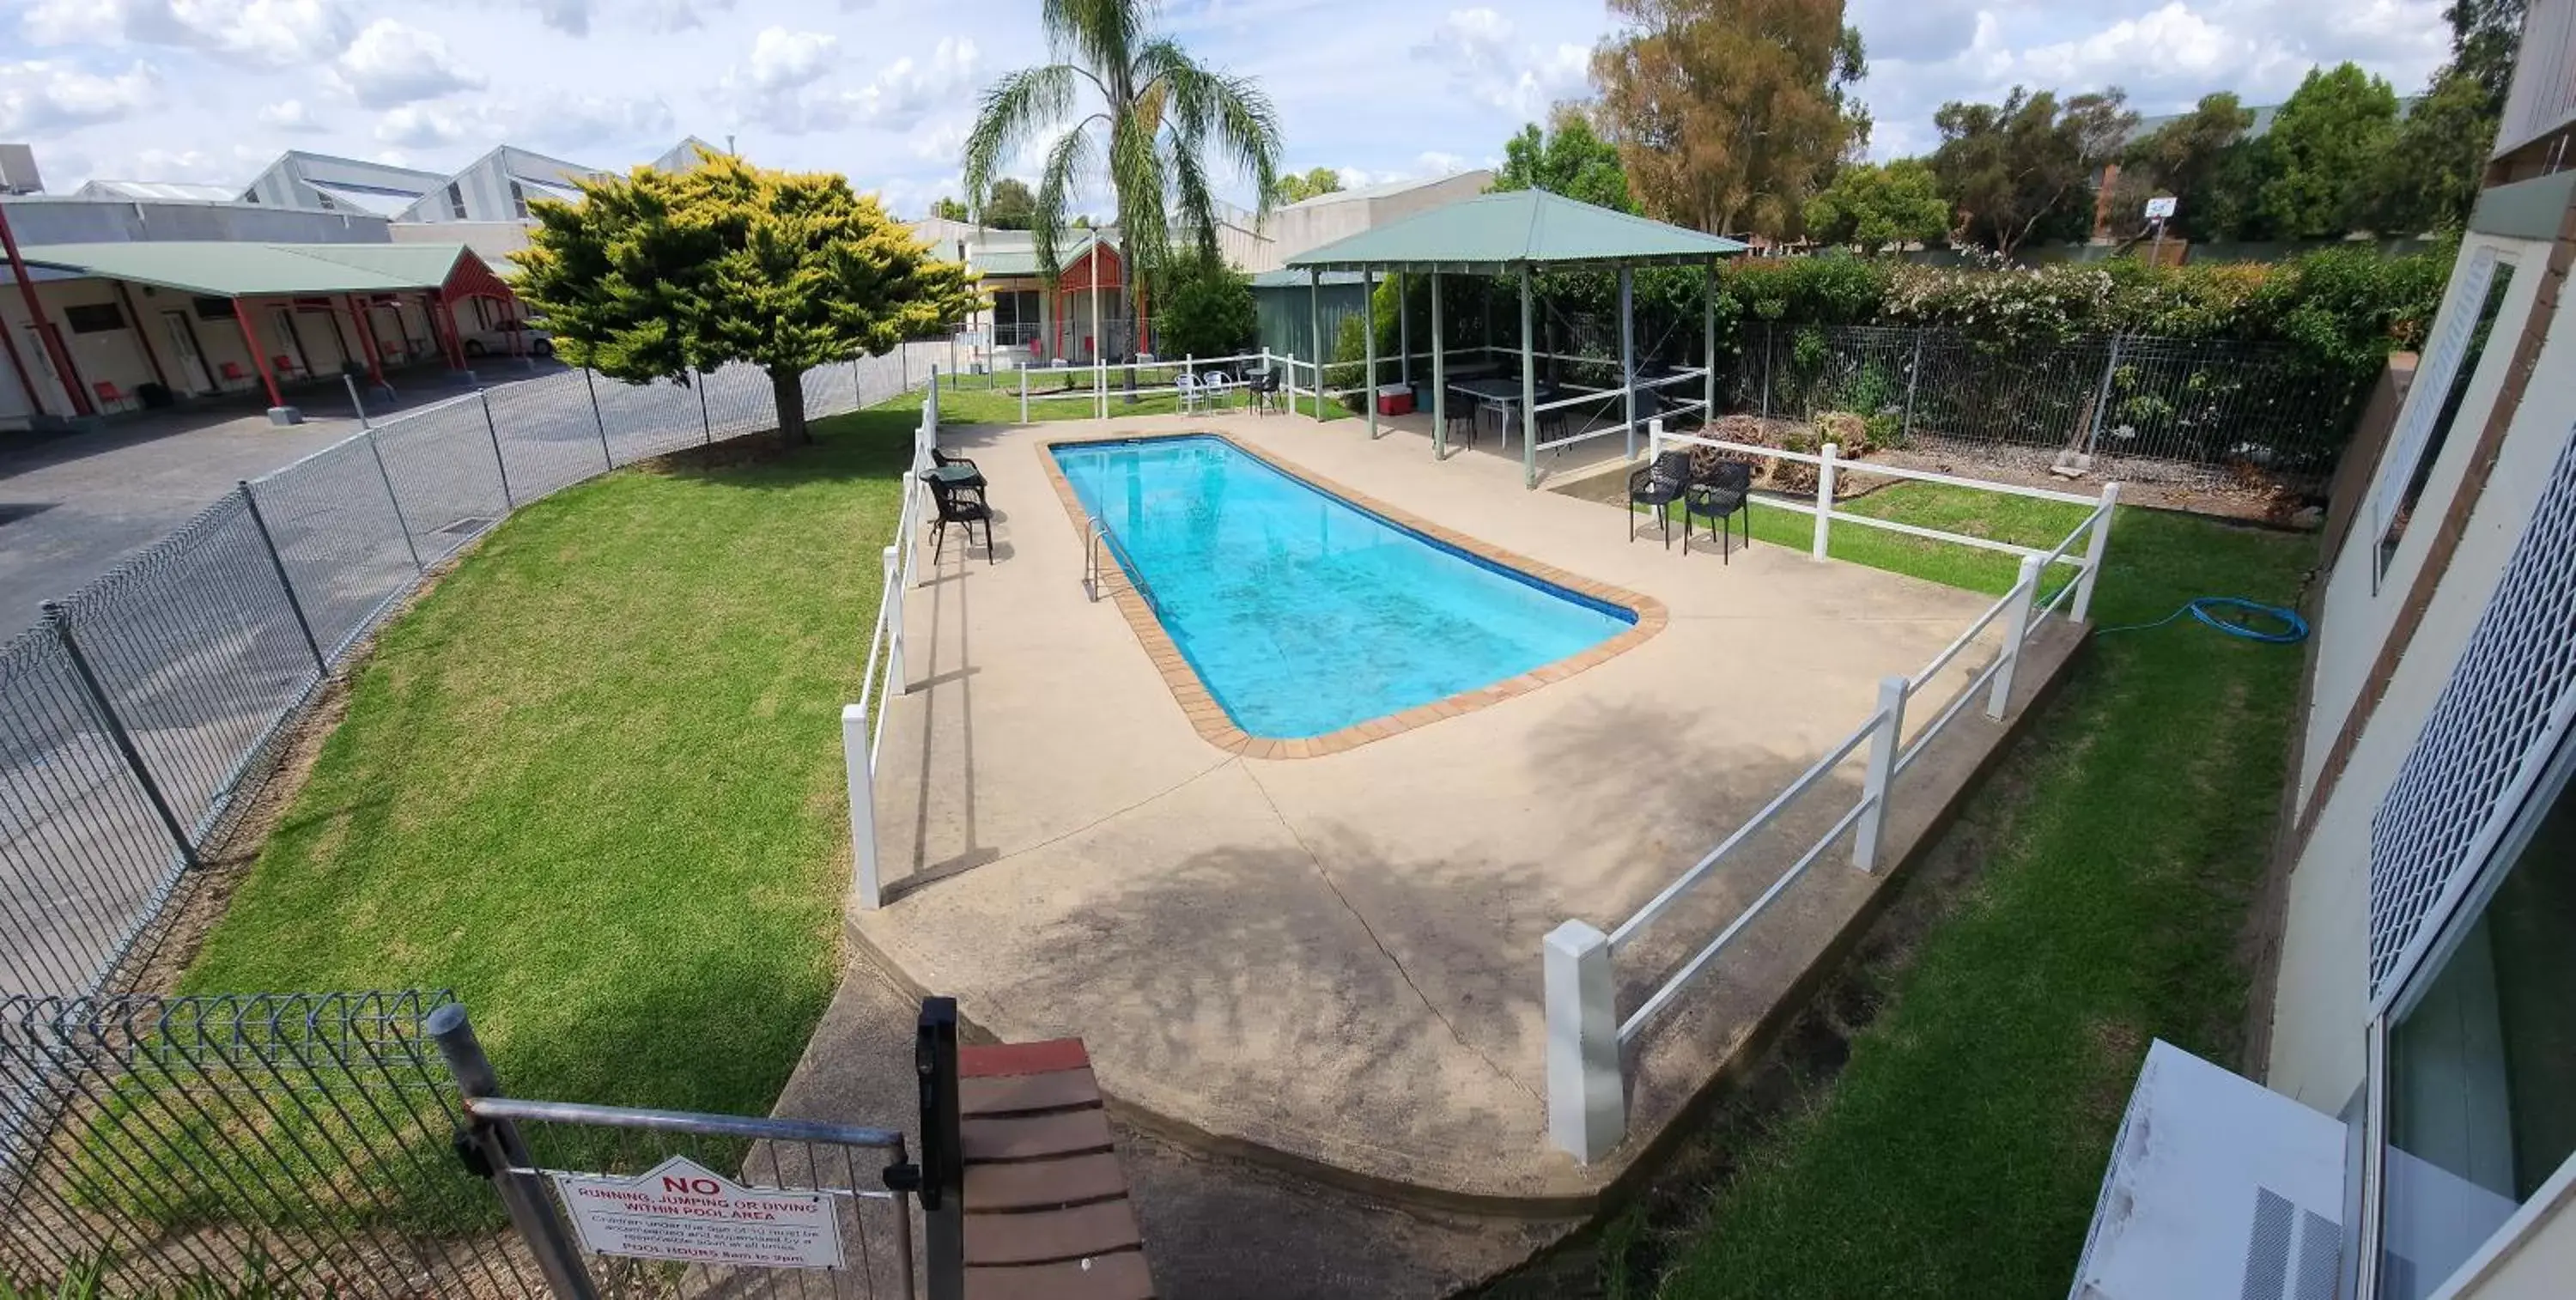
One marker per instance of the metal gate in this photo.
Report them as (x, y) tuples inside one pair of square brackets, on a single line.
[(557, 1164)]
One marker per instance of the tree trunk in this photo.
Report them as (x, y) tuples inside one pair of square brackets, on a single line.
[(787, 391)]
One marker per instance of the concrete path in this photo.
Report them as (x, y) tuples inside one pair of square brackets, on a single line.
[(1334, 962), (1214, 1227)]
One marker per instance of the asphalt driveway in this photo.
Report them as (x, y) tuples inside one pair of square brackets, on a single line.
[(72, 505)]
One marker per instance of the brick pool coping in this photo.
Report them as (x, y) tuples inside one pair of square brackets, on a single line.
[(1209, 718)]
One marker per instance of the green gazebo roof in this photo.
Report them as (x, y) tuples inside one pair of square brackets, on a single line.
[(1523, 227)]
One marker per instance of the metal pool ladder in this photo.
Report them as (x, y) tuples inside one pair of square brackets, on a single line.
[(1095, 539)]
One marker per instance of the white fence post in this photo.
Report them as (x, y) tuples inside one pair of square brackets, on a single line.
[(2016, 627), (930, 403), (1024, 393), (1887, 739), (1825, 497), (2093, 552), (893, 598), (863, 805), (1587, 1100)]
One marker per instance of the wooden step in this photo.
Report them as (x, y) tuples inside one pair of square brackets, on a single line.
[(1047, 1207)]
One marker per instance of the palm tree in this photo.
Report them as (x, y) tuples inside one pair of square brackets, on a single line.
[(1154, 116)]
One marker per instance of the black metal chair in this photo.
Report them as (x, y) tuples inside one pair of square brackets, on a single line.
[(1461, 413), (974, 476), (1659, 485), (1726, 490), (962, 504), (1264, 389)]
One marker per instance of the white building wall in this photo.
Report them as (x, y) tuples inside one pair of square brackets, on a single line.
[(2358, 613), (2321, 1004)]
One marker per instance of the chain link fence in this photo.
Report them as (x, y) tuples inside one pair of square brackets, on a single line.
[(135, 719), (2192, 412)]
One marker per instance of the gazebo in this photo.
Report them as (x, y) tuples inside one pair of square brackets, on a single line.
[(1514, 235)]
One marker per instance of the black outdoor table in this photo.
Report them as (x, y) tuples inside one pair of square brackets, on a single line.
[(1503, 395)]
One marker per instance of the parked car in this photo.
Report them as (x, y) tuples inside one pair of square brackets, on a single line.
[(510, 338)]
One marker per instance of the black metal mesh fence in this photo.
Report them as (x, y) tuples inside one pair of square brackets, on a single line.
[(2144, 409), (130, 721), (287, 1145)]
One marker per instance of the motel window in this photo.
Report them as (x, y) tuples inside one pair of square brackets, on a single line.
[(455, 201), (2480, 1057), (213, 308), (2461, 350), (518, 200), (94, 318)]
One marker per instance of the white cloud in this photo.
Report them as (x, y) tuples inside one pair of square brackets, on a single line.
[(550, 120), (571, 17), (42, 96), (260, 33), (781, 85), (290, 115), (1487, 59), (393, 63), (423, 126)]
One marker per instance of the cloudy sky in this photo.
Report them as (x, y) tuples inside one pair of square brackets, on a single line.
[(211, 90)]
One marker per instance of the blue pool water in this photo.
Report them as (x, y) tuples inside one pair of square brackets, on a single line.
[(1303, 613)]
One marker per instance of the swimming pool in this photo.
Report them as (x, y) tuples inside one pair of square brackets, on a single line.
[(1303, 613)]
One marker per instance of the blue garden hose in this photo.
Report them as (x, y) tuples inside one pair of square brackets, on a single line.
[(2292, 631)]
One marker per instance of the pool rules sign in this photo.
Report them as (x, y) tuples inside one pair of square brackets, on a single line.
[(684, 1211)]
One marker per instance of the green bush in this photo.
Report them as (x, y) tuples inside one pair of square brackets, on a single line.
[(1207, 311)]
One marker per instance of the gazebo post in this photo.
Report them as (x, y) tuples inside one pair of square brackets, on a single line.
[(1708, 351), (1529, 391), (1628, 353), (1368, 345), (1439, 378), (1404, 329), (1315, 330)]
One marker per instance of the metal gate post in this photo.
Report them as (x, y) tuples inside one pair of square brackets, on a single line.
[(61, 622), (507, 501), (698, 381), (498, 1145), (1913, 376), (943, 1165), (400, 522), (2102, 396), (590, 382), (303, 624)]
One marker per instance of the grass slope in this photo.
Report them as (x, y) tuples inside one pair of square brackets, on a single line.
[(1959, 1150), (592, 784)]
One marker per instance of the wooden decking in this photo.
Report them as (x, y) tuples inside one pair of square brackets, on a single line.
[(1047, 1213)]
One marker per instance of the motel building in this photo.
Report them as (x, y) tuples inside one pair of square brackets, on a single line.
[(107, 328)]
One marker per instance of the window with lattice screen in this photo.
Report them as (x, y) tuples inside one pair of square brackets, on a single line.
[(2450, 363), (2484, 733)]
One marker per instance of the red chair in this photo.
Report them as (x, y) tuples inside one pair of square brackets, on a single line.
[(232, 372), (109, 396), (283, 366)]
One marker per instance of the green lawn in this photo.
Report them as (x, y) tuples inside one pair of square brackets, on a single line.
[(1959, 1150), (593, 783)]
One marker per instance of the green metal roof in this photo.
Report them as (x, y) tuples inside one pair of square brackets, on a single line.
[(1493, 231), (231, 270), (998, 263), (1285, 279)]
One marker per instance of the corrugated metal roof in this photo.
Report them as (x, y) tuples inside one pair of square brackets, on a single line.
[(1532, 226), (366, 198), (994, 263), (1285, 279), (233, 270), (185, 191)]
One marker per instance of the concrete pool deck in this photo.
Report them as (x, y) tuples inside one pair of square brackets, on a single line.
[(1333, 961)]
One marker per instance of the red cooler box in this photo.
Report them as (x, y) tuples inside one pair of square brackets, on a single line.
[(1395, 399)]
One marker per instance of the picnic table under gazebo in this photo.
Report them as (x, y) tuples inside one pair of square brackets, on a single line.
[(1512, 236)]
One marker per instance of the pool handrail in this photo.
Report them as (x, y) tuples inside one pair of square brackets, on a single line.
[(1094, 538)]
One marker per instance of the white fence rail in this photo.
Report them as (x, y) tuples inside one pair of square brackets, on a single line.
[(1100, 390), (863, 723), (1587, 1039)]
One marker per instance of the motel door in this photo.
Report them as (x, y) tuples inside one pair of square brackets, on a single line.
[(183, 345), (51, 393), (289, 348)]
